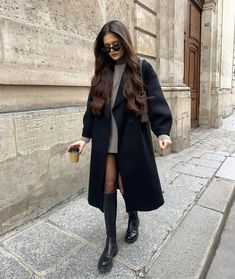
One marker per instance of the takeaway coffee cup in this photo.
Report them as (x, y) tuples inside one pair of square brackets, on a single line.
[(74, 154)]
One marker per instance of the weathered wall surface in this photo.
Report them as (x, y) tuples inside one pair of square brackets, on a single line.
[(43, 41), (170, 63), (233, 82), (210, 62), (227, 56), (159, 35), (46, 63), (216, 62), (35, 171)]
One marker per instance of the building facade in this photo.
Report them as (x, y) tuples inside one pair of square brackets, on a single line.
[(46, 59)]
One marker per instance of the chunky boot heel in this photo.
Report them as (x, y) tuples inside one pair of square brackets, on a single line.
[(105, 262), (132, 231)]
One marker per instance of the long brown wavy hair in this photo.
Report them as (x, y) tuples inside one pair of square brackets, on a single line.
[(101, 85)]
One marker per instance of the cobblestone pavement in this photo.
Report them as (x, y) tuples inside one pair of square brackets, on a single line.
[(173, 240)]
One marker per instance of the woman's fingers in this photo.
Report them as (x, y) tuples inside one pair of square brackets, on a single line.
[(72, 145), (81, 147), (80, 144), (164, 143), (161, 144)]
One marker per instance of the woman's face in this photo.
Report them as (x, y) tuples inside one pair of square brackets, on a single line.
[(112, 40)]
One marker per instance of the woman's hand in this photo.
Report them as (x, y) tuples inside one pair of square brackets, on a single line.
[(164, 143), (80, 144)]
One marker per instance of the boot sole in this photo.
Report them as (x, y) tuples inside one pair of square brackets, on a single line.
[(109, 267)]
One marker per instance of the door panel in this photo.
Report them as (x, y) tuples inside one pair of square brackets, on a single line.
[(195, 16), (192, 39)]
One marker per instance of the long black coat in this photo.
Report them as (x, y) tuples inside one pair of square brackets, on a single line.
[(136, 160)]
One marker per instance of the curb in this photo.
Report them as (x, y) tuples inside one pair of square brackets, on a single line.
[(191, 247), (211, 253)]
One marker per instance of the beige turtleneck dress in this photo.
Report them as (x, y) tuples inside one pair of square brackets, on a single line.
[(113, 141)]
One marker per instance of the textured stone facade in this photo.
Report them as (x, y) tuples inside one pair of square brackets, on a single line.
[(35, 171), (217, 99), (170, 65), (233, 82), (46, 64)]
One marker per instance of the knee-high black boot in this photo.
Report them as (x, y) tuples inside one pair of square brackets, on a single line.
[(132, 232), (110, 212)]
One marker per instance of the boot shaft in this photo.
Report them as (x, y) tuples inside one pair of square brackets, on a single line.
[(110, 214), (133, 215)]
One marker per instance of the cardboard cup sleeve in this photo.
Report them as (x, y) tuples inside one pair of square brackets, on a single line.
[(74, 154)]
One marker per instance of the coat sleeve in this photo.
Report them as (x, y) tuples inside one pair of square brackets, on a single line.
[(88, 119), (159, 111)]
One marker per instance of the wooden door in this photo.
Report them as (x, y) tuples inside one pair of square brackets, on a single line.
[(192, 39)]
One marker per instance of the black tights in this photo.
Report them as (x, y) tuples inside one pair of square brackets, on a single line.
[(112, 176)]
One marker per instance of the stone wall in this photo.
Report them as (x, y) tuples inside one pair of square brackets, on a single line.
[(170, 64), (46, 63), (216, 62), (159, 37), (233, 81), (210, 64), (35, 171), (227, 56)]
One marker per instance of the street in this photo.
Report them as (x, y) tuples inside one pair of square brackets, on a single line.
[(177, 241)]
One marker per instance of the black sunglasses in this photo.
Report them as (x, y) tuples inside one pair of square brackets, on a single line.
[(115, 47)]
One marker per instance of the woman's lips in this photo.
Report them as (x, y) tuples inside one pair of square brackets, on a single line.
[(114, 54)]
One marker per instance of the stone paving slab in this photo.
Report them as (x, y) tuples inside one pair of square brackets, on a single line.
[(227, 169), (166, 176), (182, 198), (218, 140), (151, 236), (185, 255), (217, 195), (84, 220), (223, 263), (82, 264), (216, 152), (198, 134), (10, 268), (199, 171), (229, 123), (165, 216), (41, 245), (189, 182), (186, 154), (205, 163), (30, 277), (165, 162), (214, 157)]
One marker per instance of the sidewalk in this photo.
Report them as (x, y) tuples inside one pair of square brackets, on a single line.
[(177, 241), (223, 262)]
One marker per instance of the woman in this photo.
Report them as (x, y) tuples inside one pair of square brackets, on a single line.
[(122, 155)]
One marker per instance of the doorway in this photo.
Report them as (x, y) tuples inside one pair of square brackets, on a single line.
[(192, 45)]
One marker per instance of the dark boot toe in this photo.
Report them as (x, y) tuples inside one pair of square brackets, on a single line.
[(131, 236), (105, 264)]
